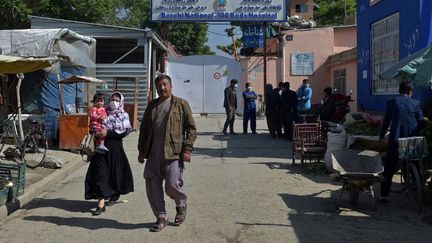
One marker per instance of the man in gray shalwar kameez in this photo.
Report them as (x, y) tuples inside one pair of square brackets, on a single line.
[(167, 134)]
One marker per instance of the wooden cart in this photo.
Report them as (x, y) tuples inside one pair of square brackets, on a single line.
[(73, 127)]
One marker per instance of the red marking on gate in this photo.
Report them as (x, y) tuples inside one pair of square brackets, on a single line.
[(217, 75)]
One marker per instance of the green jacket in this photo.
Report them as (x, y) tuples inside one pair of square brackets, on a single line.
[(180, 132)]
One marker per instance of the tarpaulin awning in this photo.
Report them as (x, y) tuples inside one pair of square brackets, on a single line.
[(80, 79), (73, 48), (416, 67), (11, 64)]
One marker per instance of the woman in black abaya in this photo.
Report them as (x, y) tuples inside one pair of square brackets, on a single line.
[(109, 175)]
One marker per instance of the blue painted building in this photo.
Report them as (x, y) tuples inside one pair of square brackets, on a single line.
[(388, 31)]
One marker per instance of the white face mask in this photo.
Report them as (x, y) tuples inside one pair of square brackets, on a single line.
[(235, 85), (114, 104), (249, 88)]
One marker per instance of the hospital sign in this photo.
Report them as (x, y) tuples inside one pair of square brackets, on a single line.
[(219, 10)]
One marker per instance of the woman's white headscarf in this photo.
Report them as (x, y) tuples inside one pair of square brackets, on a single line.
[(118, 119)]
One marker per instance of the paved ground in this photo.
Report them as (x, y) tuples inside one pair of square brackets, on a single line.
[(241, 189)]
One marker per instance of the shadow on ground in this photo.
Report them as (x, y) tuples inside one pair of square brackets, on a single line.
[(77, 206), (246, 146), (315, 217), (88, 223), (314, 171)]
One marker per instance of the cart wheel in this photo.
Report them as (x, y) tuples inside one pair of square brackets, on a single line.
[(415, 188), (353, 195)]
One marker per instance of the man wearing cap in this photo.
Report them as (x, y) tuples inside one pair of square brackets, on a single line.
[(249, 112), (230, 104)]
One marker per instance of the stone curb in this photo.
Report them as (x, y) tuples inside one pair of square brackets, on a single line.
[(41, 186)]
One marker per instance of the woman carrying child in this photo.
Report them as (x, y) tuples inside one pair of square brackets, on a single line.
[(109, 175)]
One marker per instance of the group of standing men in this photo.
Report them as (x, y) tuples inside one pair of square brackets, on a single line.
[(249, 111), (283, 106)]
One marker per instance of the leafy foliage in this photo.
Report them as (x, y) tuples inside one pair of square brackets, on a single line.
[(188, 38), (332, 12), (13, 13), (228, 48)]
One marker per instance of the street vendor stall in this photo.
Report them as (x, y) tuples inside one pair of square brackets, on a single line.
[(20, 65), (73, 127)]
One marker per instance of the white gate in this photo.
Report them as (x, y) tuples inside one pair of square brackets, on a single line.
[(201, 80)]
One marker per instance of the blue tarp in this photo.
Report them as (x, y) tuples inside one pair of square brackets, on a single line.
[(39, 91)]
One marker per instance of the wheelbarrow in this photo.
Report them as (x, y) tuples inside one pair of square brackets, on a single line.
[(359, 171)]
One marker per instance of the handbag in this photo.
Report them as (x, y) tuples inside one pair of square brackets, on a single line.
[(87, 146)]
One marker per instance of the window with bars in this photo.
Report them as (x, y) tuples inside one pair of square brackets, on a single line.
[(339, 81), (384, 53), (301, 8)]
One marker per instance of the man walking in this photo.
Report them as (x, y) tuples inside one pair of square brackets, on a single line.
[(166, 138), (230, 104)]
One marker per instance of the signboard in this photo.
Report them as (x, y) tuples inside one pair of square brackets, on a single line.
[(253, 36), (219, 10), (302, 63)]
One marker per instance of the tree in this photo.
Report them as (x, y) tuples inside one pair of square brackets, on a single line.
[(333, 12), (232, 49), (13, 14), (187, 38), (229, 48)]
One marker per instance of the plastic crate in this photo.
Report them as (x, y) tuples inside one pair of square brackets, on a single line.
[(17, 172)]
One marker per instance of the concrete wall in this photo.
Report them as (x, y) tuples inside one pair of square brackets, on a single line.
[(351, 79), (322, 43), (252, 70), (318, 41), (305, 16), (344, 38)]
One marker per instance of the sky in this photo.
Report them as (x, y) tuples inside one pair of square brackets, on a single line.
[(216, 36)]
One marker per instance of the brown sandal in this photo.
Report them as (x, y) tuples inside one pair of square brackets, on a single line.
[(160, 224), (180, 216)]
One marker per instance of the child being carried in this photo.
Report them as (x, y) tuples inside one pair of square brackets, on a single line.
[(97, 114)]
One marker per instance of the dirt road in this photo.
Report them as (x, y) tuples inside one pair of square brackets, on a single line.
[(241, 189)]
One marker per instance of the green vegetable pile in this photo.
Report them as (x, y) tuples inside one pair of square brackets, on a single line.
[(363, 128)]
